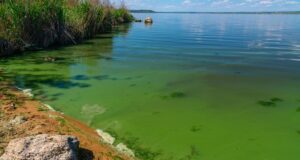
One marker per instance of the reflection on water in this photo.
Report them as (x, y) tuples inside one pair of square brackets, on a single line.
[(190, 86)]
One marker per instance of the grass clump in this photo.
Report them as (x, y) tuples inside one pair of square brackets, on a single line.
[(121, 15), (27, 24)]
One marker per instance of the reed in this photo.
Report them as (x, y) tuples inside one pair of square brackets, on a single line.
[(41, 24)]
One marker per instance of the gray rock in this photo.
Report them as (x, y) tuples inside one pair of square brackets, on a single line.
[(42, 147)]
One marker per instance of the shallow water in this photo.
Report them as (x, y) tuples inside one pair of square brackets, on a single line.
[(190, 86)]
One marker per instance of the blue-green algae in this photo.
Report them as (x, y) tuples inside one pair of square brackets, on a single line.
[(191, 86)]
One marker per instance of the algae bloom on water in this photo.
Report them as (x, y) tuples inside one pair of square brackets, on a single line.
[(276, 99), (178, 95), (166, 89), (195, 128), (270, 103), (267, 103)]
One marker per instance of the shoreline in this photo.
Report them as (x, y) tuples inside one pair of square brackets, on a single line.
[(104, 136), (21, 115)]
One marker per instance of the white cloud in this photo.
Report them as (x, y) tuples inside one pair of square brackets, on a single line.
[(186, 2), (266, 2), (220, 2)]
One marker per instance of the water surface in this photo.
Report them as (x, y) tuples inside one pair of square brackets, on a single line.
[(190, 86)]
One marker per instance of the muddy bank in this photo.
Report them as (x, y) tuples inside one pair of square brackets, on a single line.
[(22, 116)]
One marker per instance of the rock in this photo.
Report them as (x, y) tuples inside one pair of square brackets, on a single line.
[(18, 120), (149, 20), (138, 20), (42, 147)]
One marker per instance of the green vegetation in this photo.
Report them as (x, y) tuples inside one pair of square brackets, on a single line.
[(34, 24)]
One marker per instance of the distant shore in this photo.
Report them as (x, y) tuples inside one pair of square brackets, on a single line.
[(182, 12)]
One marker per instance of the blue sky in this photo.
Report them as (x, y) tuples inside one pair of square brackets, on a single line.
[(214, 5)]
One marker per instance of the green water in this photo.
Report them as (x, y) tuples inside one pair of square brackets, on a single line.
[(191, 86)]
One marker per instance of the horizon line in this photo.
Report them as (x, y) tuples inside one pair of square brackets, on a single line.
[(153, 11)]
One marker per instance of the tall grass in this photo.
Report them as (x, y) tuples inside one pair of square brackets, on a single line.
[(121, 15), (43, 23)]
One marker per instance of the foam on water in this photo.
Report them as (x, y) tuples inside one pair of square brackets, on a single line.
[(106, 137)]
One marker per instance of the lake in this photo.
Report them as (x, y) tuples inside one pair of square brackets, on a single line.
[(188, 87)]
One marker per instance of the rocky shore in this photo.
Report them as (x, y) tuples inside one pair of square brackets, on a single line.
[(30, 130)]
